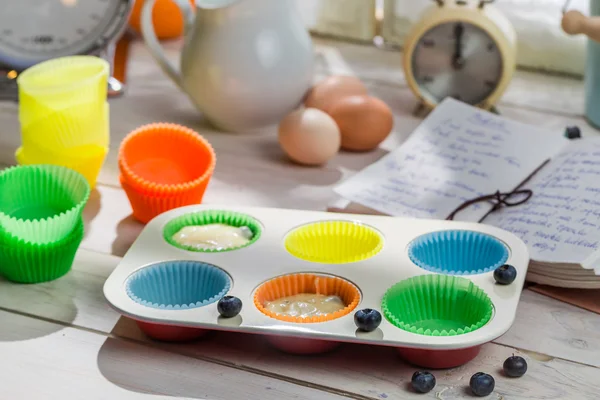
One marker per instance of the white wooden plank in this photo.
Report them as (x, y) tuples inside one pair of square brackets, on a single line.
[(41, 360), (73, 299), (370, 372), (379, 373), (364, 370), (551, 327)]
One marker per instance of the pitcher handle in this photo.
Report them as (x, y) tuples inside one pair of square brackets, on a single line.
[(152, 42)]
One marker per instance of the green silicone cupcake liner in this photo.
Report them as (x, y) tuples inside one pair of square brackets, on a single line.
[(41, 203), (26, 262), (211, 217), (437, 305)]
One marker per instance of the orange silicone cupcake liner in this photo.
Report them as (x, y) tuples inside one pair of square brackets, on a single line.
[(166, 158), (146, 206), (290, 285)]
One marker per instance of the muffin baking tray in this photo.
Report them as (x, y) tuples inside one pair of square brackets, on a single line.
[(431, 280)]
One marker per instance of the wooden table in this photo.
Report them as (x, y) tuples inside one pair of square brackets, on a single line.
[(61, 339)]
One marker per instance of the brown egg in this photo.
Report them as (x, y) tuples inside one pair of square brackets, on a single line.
[(331, 89), (309, 136), (364, 122)]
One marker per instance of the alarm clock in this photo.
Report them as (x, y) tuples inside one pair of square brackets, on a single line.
[(465, 49), (32, 31)]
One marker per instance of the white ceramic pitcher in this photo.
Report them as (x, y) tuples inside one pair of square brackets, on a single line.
[(245, 63)]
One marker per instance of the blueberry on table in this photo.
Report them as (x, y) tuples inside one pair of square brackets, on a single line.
[(505, 274), (423, 382), (229, 306), (367, 320), (573, 132), (482, 384), (515, 366)]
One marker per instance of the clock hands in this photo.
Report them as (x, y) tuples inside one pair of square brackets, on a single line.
[(457, 60)]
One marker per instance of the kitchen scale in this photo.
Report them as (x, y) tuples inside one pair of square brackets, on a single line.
[(32, 31)]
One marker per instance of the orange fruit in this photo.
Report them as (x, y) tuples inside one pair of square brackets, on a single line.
[(166, 17)]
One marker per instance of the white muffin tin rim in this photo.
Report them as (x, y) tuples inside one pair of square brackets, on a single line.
[(372, 277)]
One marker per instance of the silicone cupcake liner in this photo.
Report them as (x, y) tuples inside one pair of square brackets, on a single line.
[(178, 285), (437, 305), (457, 252), (64, 82), (69, 129), (211, 217), (293, 284), (41, 203), (25, 262), (166, 158), (31, 112), (154, 190), (88, 162), (147, 206), (334, 242)]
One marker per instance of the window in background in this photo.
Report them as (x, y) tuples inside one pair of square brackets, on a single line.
[(541, 42), (344, 19)]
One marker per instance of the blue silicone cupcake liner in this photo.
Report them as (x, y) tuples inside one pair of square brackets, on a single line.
[(458, 252), (178, 285)]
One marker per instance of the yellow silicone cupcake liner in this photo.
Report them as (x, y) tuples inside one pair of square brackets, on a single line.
[(65, 129), (302, 283), (64, 82), (87, 160), (334, 242)]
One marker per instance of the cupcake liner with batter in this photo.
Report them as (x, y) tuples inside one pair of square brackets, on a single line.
[(211, 217), (302, 283)]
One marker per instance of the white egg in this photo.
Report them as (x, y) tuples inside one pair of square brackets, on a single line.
[(309, 136)]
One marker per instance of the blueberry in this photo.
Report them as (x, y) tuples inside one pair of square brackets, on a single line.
[(573, 132), (229, 306), (422, 381), (482, 384), (505, 274), (515, 366), (367, 320)]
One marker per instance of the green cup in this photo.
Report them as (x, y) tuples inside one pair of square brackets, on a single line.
[(25, 262), (437, 305), (41, 204)]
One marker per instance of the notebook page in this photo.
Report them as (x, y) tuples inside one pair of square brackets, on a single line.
[(561, 222), (458, 153)]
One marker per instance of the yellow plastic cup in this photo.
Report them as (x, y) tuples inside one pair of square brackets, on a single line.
[(87, 160), (61, 83), (63, 130)]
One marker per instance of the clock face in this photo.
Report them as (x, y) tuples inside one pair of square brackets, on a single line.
[(457, 60), (36, 30)]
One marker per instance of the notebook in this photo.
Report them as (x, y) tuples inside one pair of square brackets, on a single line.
[(460, 153)]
